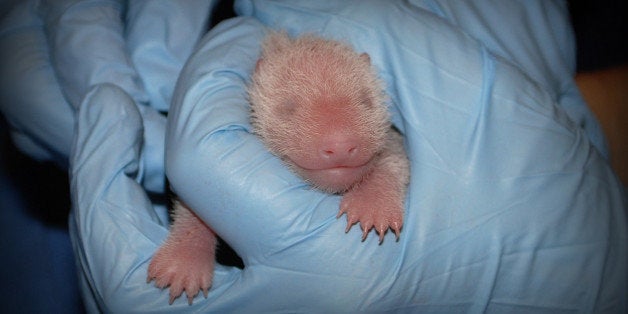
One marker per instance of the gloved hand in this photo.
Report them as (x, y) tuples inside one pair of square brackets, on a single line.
[(510, 207), (55, 52), (31, 99)]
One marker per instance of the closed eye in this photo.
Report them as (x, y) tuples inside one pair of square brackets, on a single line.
[(287, 108)]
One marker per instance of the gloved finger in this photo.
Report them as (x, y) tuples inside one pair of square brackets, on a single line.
[(32, 100), (89, 48), (153, 175), (114, 227), (160, 36), (542, 45)]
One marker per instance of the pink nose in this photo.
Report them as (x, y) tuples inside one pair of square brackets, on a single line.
[(339, 151)]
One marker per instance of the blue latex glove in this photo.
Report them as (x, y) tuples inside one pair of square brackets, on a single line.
[(53, 51), (510, 207), (31, 99), (90, 48), (535, 36)]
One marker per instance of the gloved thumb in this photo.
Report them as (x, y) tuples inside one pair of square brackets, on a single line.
[(114, 227)]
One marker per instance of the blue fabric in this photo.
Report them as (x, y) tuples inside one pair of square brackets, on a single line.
[(512, 206)]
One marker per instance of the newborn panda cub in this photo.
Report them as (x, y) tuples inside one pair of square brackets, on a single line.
[(320, 107)]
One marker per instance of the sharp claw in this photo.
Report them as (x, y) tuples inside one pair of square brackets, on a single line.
[(365, 233), (171, 299), (190, 299), (205, 292), (381, 230), (397, 229), (349, 225), (351, 220), (340, 213)]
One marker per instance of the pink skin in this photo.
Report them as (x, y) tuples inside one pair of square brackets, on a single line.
[(186, 260), (335, 159), (377, 200), (319, 106)]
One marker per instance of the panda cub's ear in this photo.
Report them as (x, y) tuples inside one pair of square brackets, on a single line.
[(275, 41), (258, 64), (366, 58)]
